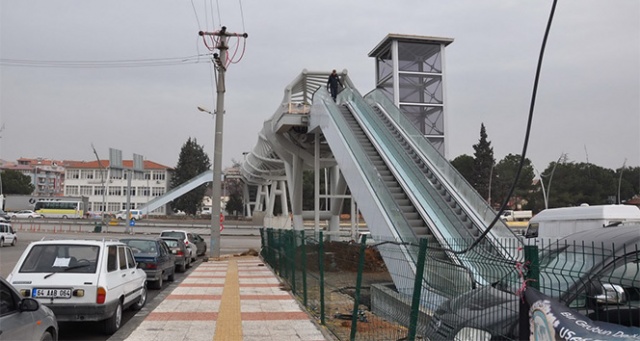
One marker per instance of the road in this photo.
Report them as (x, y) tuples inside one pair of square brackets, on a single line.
[(233, 241)]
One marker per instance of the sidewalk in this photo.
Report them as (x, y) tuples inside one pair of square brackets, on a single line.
[(237, 298)]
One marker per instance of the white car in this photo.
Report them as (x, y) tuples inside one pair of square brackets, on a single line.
[(186, 237), (82, 280), (7, 235), (25, 214)]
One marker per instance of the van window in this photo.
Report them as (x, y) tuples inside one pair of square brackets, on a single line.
[(532, 230)]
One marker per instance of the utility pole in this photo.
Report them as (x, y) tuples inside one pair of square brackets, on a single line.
[(219, 63)]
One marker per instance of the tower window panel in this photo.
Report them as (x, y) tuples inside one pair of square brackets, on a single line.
[(421, 57), (429, 120), (421, 89)]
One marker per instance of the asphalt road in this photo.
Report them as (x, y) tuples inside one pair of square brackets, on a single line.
[(231, 243)]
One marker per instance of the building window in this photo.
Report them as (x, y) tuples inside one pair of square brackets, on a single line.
[(86, 174), (133, 191), (147, 175), (144, 191), (85, 190), (114, 207), (98, 190), (72, 190), (158, 175), (157, 191), (73, 174), (98, 206), (115, 191)]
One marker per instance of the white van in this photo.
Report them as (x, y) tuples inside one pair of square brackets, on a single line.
[(134, 214), (555, 223)]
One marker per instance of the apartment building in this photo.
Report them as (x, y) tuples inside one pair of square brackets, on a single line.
[(107, 188), (47, 176)]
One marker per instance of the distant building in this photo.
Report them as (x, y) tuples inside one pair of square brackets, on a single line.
[(107, 189), (47, 176)]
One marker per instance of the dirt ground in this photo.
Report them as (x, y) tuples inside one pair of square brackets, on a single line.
[(340, 279)]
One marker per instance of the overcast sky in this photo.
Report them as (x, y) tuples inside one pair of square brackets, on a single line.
[(588, 103)]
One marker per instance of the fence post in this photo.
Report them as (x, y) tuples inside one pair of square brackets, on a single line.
[(417, 291), (532, 277), (356, 301), (304, 268), (292, 257), (263, 243), (281, 253), (270, 255), (321, 268)]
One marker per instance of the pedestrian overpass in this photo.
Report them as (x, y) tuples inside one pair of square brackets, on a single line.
[(370, 153)]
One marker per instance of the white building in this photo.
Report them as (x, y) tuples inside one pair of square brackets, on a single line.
[(108, 188)]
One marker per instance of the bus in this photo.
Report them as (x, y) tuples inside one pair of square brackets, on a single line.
[(62, 208)]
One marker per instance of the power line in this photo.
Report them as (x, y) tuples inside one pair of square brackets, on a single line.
[(171, 61)]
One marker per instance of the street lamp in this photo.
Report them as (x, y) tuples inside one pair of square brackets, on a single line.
[(620, 179)]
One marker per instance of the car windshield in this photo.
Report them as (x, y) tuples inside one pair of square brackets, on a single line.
[(171, 242), (564, 265), (178, 235), (61, 258), (141, 246)]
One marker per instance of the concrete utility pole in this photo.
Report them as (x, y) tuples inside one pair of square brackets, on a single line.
[(219, 61)]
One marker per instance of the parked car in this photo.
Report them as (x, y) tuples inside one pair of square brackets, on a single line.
[(581, 271), (186, 237), (155, 258), (201, 245), (4, 217), (26, 214), (7, 235), (180, 252), (24, 318), (134, 215), (82, 280)]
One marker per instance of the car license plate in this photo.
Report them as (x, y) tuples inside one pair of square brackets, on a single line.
[(51, 293)]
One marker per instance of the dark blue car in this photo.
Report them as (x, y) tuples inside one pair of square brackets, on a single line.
[(155, 258)]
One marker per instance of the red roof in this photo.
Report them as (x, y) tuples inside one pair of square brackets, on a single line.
[(105, 164)]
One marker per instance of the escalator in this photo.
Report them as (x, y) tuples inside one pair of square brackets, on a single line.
[(413, 199)]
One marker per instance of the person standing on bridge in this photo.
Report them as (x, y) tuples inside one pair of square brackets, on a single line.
[(332, 84)]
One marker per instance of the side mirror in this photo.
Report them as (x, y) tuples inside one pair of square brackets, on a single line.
[(29, 304), (613, 294)]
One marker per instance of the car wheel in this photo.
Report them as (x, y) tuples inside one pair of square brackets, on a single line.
[(187, 263), (142, 301), (47, 337), (112, 324), (14, 241), (64, 217), (1, 242), (172, 277)]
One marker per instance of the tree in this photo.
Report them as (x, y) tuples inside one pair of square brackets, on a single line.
[(234, 188), (483, 163), (504, 174), (192, 162), (464, 165), (578, 183), (14, 182)]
